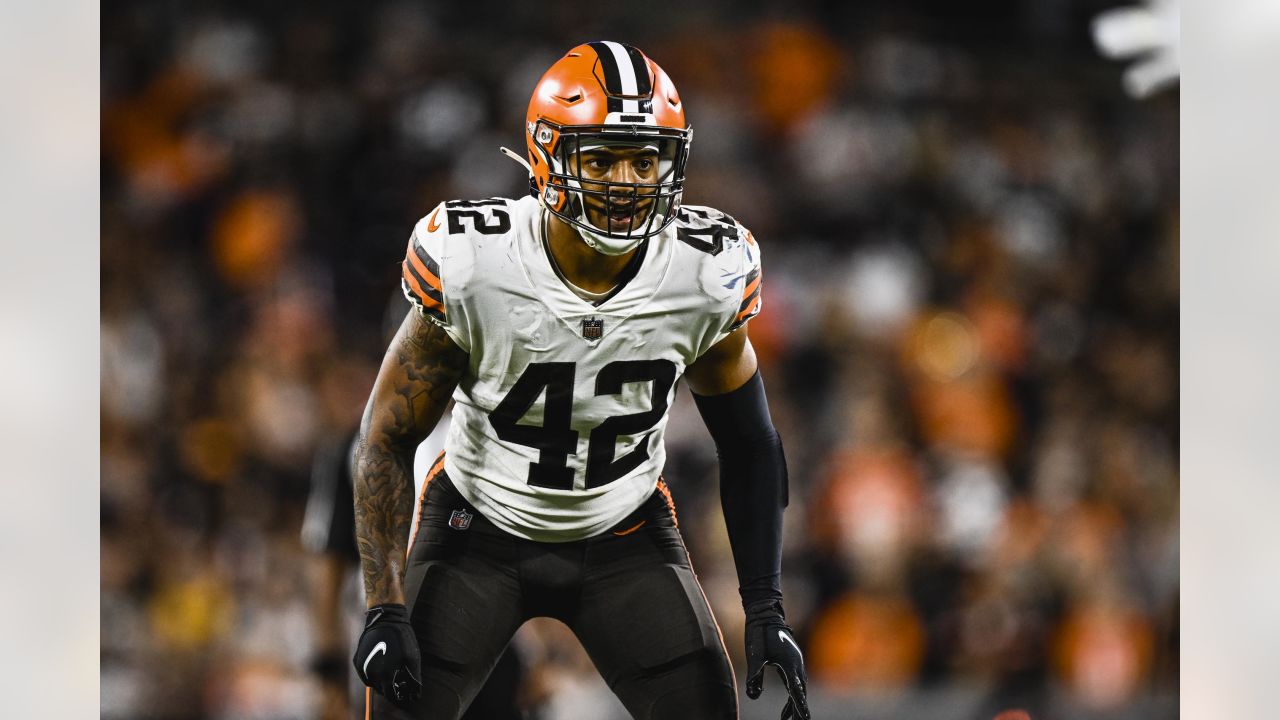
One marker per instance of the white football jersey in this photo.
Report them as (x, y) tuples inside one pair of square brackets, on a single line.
[(558, 422)]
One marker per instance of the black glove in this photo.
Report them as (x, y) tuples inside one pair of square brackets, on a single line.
[(771, 642), (387, 657)]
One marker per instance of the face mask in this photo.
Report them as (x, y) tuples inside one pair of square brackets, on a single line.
[(604, 244), (600, 241)]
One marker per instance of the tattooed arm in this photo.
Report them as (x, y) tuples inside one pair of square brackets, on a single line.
[(418, 375)]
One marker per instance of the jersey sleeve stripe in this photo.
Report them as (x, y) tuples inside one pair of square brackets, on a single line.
[(422, 283), (420, 289), (752, 289), (426, 266), (749, 301), (751, 278), (750, 298), (748, 313), (425, 302)]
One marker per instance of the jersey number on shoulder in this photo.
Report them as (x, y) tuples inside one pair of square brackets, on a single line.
[(555, 440), (496, 222), (701, 231)]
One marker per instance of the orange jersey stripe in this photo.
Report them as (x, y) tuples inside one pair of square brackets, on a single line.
[(750, 309), (426, 274), (631, 529), (671, 504), (413, 281), (421, 294), (436, 467), (748, 289)]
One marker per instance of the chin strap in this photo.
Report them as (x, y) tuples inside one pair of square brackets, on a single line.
[(511, 154), (604, 244), (533, 187)]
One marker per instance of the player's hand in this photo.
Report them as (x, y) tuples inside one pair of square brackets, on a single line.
[(771, 642), (387, 657)]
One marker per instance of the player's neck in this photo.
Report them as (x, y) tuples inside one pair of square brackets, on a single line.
[(590, 270)]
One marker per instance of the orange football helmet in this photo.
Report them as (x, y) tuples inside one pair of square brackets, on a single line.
[(606, 93)]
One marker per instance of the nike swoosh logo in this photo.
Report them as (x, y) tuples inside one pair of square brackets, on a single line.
[(379, 648), (781, 634), (432, 225)]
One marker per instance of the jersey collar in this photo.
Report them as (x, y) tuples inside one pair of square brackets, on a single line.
[(552, 291)]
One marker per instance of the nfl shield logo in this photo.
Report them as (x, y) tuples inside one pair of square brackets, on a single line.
[(460, 520), (592, 328)]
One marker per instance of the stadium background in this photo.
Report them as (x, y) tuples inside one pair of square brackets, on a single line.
[(969, 333)]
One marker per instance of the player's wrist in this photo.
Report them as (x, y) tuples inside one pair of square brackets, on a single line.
[(764, 612), (762, 596), (387, 612), (391, 593)]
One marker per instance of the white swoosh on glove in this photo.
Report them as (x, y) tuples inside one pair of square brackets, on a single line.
[(785, 637), (379, 648)]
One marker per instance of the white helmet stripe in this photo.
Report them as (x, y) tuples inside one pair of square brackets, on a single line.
[(626, 70), (627, 73)]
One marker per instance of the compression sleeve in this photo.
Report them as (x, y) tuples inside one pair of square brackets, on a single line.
[(753, 486)]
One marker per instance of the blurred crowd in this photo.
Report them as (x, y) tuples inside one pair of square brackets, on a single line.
[(969, 332)]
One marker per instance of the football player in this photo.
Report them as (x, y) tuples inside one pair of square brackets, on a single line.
[(559, 323)]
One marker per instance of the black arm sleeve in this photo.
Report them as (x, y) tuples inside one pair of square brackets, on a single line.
[(753, 488)]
